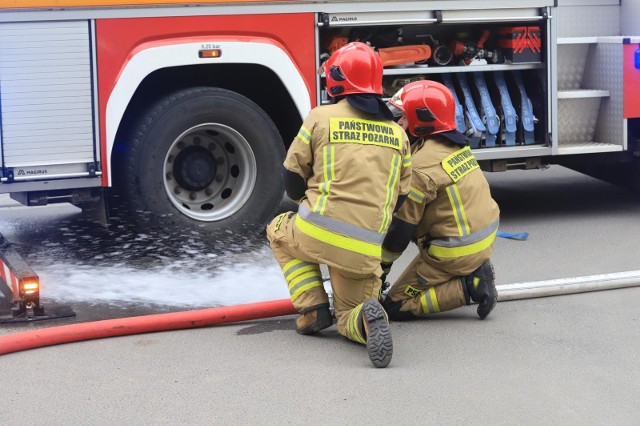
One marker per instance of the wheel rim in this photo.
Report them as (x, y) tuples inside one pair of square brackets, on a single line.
[(209, 172)]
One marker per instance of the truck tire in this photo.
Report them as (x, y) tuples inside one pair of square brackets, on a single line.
[(206, 160)]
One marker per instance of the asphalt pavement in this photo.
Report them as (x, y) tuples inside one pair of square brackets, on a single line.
[(567, 360), (560, 360)]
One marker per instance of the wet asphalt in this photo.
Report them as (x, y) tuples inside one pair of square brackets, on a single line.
[(558, 360)]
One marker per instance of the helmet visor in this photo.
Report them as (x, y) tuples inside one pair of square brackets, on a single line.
[(395, 104), (397, 112)]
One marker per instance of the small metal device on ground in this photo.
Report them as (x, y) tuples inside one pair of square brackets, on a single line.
[(20, 286)]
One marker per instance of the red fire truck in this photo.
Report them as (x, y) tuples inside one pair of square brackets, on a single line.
[(181, 111)]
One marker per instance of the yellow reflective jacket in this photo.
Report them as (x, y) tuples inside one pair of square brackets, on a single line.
[(450, 202), (355, 167)]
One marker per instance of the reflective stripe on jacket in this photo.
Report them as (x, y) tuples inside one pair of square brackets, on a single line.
[(355, 169), (450, 202)]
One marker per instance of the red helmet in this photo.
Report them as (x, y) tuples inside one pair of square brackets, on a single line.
[(428, 105), (354, 68)]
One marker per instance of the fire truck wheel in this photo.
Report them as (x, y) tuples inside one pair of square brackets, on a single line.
[(205, 159)]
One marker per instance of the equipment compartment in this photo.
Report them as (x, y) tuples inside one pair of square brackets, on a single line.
[(47, 126), (500, 85)]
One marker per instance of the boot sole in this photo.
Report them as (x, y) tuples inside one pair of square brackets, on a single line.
[(379, 343)]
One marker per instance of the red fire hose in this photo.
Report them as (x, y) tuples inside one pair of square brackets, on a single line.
[(143, 324)]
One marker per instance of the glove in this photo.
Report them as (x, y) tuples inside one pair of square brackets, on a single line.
[(386, 268)]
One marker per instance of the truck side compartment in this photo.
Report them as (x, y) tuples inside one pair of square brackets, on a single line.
[(187, 112)]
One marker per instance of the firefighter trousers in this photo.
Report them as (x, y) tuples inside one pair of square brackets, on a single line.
[(304, 279), (424, 296)]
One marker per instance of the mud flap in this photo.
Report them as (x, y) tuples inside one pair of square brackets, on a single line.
[(490, 116), (476, 127), (460, 124), (94, 206), (508, 111)]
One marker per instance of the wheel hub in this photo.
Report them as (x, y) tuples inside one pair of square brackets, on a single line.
[(195, 168), (209, 172)]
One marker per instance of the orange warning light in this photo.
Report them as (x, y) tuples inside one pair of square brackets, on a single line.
[(210, 53), (30, 286)]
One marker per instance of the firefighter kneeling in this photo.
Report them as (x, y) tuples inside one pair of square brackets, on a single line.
[(449, 213), (347, 167)]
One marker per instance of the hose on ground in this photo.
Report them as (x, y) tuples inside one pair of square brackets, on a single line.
[(214, 316), (143, 324)]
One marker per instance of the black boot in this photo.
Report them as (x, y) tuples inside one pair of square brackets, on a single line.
[(480, 287), (393, 310), (314, 319)]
